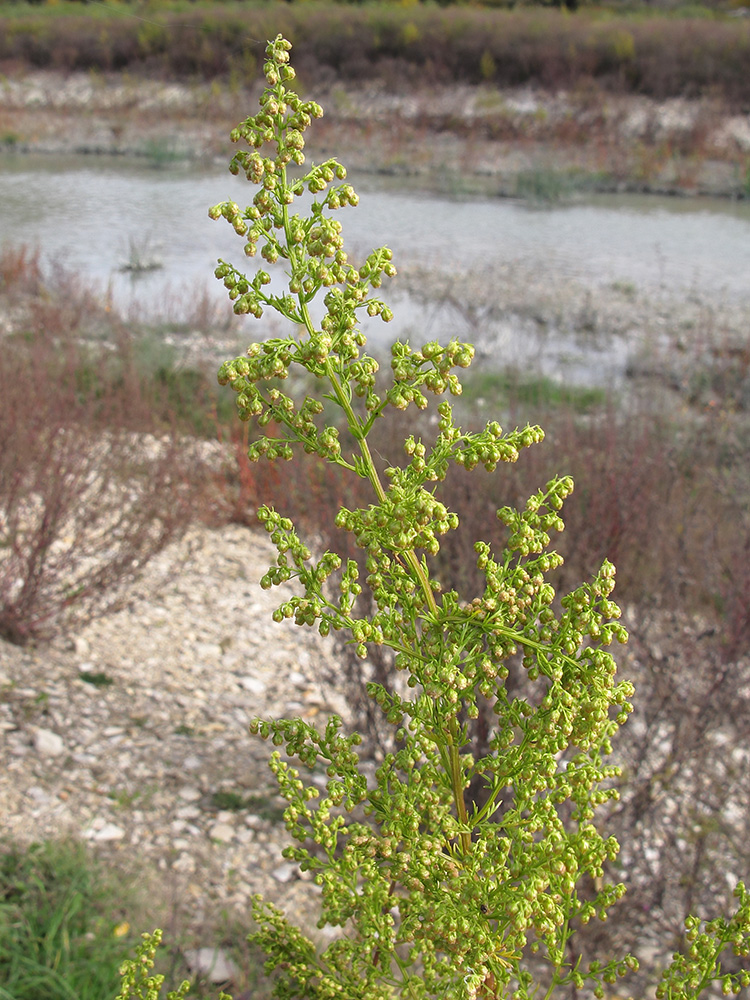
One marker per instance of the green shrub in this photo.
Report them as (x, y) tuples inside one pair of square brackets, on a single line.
[(455, 873)]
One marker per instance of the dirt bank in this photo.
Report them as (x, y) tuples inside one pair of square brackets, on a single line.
[(528, 142)]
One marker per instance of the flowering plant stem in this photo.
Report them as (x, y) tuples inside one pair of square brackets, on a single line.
[(454, 873)]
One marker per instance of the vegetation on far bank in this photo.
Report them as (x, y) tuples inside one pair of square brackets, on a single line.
[(693, 52)]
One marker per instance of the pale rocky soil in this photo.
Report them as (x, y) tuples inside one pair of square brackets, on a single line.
[(620, 143), (131, 767)]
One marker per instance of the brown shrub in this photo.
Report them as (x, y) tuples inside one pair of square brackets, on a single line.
[(94, 476), (660, 56)]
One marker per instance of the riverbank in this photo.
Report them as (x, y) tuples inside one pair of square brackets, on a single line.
[(525, 142)]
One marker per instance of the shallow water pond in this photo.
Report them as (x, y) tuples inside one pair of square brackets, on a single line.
[(144, 235)]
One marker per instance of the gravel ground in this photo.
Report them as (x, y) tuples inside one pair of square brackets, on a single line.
[(127, 733)]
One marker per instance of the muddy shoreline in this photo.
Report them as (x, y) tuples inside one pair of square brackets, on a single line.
[(525, 142)]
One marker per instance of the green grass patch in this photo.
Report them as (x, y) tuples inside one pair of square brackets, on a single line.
[(63, 931), (539, 393), (543, 186), (67, 923), (162, 152), (96, 678), (228, 800), (688, 51), (264, 806)]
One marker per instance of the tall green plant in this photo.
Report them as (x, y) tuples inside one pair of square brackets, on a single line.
[(438, 894)]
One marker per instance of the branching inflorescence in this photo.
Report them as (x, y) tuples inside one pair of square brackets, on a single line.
[(438, 894)]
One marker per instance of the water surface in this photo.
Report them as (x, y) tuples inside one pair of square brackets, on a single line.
[(91, 216)]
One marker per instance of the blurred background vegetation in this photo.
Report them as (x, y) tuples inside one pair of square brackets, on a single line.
[(661, 49)]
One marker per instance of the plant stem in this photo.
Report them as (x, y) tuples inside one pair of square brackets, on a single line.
[(458, 785), (451, 735), (355, 427)]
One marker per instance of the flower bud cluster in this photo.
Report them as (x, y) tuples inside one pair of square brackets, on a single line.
[(314, 606), (589, 612), (247, 295), (530, 528), (302, 740), (285, 946), (440, 896), (430, 368), (490, 446), (312, 246), (271, 361), (701, 964), (277, 101), (263, 362), (407, 519)]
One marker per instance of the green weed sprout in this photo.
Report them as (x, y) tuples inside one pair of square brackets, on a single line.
[(438, 894)]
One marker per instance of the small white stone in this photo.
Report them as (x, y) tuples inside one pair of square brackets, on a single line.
[(253, 685), (188, 812), (284, 873), (189, 794), (222, 832), (48, 744), (110, 831), (81, 646), (213, 963), (185, 863)]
